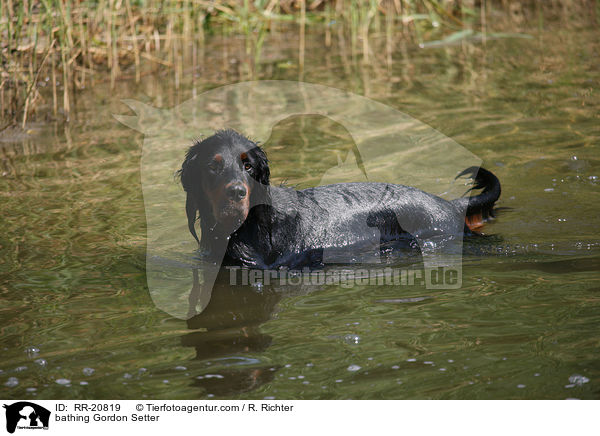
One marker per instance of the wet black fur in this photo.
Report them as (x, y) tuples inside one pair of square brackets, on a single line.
[(290, 228)]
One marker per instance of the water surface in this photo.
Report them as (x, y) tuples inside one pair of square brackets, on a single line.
[(77, 321)]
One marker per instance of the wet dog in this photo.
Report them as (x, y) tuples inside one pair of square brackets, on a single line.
[(246, 221)]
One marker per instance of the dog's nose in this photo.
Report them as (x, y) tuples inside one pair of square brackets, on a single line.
[(236, 192)]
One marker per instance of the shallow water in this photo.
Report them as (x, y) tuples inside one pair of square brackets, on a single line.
[(77, 320)]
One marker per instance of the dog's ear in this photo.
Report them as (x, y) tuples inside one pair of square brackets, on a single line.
[(187, 174), (262, 174), (191, 209), (190, 183)]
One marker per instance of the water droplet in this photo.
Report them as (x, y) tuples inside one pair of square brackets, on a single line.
[(353, 368), (578, 379), (180, 368), (63, 381), (352, 339), (41, 362), (32, 352), (12, 382)]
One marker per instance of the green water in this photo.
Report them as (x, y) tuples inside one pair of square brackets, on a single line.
[(77, 320)]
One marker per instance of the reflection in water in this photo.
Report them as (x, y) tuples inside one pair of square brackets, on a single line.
[(234, 306), (231, 327)]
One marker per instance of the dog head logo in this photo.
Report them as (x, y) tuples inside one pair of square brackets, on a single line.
[(389, 147), (26, 415)]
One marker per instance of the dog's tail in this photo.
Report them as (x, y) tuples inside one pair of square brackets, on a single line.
[(479, 207)]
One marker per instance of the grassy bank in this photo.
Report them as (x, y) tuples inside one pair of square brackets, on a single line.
[(52, 48)]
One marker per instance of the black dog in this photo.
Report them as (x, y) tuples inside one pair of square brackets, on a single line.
[(245, 221)]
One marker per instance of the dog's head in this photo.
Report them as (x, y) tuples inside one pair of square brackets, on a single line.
[(224, 176)]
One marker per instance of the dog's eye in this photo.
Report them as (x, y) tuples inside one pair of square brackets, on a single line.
[(215, 166), (247, 166)]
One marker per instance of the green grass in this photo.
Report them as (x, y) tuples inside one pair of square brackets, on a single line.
[(74, 43)]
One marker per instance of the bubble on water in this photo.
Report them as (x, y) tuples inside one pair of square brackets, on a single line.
[(288, 365), (411, 360), (180, 368), (31, 389), (292, 378), (521, 386), (428, 362), (310, 364), (88, 371), (537, 374), (578, 379), (165, 381), (213, 376), (63, 381), (142, 370), (300, 377), (442, 369), (569, 386), (83, 383), (395, 367), (12, 382), (549, 190), (305, 382), (32, 352), (41, 362), (127, 375), (339, 380), (20, 368), (353, 368), (352, 339), (450, 361), (268, 398)]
